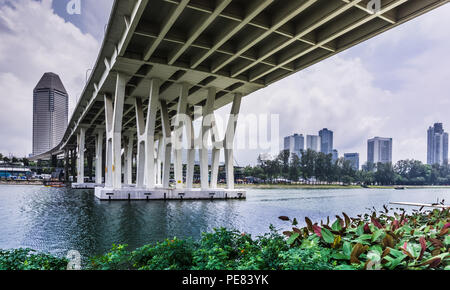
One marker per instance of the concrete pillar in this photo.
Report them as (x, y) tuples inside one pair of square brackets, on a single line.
[(205, 130), (90, 161), (114, 116), (73, 158), (217, 146), (145, 174), (191, 154), (128, 154), (81, 136), (159, 158), (180, 122), (229, 140), (108, 152), (99, 156), (167, 133)]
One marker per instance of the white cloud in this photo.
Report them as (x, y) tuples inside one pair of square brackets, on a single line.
[(34, 40)]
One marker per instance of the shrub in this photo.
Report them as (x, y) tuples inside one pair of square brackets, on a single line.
[(27, 259), (173, 254), (385, 241), (117, 259)]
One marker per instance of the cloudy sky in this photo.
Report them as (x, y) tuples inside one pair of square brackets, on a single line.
[(395, 85)]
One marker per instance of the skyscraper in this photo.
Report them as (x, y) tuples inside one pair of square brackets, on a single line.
[(379, 150), (50, 113), (437, 149), (294, 144), (353, 158), (313, 142), (326, 141)]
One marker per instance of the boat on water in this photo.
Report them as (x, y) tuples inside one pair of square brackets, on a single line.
[(399, 188), (54, 184)]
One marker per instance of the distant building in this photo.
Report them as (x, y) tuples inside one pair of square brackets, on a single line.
[(313, 142), (50, 113), (353, 158), (295, 144), (379, 150), (335, 155), (437, 149), (326, 141)]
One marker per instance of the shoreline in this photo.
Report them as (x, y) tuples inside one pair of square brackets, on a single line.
[(25, 182), (331, 186), (278, 186)]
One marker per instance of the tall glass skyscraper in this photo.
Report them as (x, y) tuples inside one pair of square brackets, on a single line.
[(379, 150), (326, 141), (50, 113), (437, 149)]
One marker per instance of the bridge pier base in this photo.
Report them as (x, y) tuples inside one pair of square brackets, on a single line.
[(167, 194)]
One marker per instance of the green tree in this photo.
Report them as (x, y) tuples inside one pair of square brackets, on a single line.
[(307, 163), (294, 168), (384, 174), (25, 162), (283, 160)]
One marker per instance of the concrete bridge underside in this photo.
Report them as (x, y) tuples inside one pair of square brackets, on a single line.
[(162, 58)]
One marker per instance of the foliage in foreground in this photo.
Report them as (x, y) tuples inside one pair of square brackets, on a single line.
[(373, 241), (384, 241), (220, 250), (27, 259), (401, 242)]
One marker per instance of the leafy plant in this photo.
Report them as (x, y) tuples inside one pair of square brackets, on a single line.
[(392, 241), (27, 259)]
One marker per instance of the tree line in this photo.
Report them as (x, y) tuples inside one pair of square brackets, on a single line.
[(320, 167)]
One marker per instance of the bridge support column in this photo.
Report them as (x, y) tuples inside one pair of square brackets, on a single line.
[(167, 140), (159, 163), (228, 142), (99, 156), (146, 175), (209, 126), (114, 114), (80, 161), (128, 154), (180, 122), (204, 136), (190, 167)]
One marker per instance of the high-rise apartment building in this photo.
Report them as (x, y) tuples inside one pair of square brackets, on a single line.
[(50, 113), (295, 144), (326, 141), (379, 150), (437, 149), (313, 142), (353, 158)]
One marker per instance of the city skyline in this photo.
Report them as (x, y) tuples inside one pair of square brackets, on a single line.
[(368, 89)]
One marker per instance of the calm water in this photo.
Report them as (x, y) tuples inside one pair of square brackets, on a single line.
[(58, 220)]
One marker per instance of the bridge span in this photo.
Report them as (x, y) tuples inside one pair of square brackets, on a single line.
[(163, 59)]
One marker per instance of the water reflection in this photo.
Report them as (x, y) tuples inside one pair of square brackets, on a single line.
[(58, 220)]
